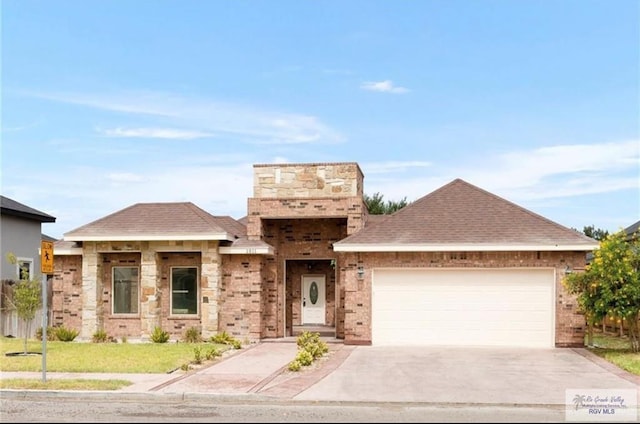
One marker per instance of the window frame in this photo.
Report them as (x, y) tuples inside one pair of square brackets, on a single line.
[(113, 291), (29, 262), (197, 291)]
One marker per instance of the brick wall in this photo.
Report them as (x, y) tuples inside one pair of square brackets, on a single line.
[(241, 296), (66, 303), (569, 327), (177, 325), (116, 325)]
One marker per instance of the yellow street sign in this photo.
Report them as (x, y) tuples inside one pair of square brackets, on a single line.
[(46, 257)]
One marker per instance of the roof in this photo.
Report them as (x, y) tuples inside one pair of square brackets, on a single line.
[(159, 221), (632, 229), (462, 217), (13, 208)]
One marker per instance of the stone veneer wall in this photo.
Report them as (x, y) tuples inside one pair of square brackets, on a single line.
[(66, 303), (569, 323), (96, 288)]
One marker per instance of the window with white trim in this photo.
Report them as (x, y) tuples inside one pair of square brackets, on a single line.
[(184, 290), (125, 290), (24, 268)]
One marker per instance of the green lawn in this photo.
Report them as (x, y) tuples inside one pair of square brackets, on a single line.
[(102, 357), (616, 350)]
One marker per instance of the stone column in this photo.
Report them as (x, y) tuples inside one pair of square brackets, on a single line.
[(150, 295), (210, 288), (91, 287)]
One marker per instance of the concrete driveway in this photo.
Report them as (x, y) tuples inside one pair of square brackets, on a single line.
[(465, 375)]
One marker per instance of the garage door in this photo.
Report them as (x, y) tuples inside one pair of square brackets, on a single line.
[(470, 307)]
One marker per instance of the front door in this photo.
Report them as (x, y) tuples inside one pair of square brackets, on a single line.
[(313, 299)]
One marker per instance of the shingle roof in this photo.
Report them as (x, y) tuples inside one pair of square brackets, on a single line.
[(460, 216), (159, 221), (11, 207), (632, 229)]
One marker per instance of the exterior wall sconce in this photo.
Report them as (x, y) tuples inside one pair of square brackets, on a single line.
[(360, 272)]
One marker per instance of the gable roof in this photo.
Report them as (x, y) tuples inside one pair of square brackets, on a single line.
[(17, 209), (632, 230), (159, 221), (462, 217)]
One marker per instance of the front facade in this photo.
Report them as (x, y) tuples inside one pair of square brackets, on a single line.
[(459, 266)]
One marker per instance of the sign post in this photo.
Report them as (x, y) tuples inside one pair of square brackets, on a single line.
[(46, 267)]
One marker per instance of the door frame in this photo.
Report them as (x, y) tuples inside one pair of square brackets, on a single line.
[(322, 277)]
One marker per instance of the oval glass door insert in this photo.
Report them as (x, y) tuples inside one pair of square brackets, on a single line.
[(313, 292)]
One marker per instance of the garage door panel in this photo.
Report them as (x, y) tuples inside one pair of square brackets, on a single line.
[(463, 307)]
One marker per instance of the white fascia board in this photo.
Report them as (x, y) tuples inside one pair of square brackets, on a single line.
[(230, 250), (461, 247), (67, 251), (142, 237)]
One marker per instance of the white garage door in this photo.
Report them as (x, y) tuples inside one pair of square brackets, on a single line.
[(470, 307)]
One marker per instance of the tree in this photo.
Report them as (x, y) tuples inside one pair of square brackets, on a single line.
[(377, 206), (610, 284), (26, 299), (595, 233)]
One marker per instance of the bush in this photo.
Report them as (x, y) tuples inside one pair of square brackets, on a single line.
[(198, 354), (310, 348), (192, 335), (51, 334), (225, 338), (66, 334), (213, 352), (100, 336), (159, 335)]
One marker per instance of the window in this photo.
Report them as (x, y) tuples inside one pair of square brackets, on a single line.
[(24, 268), (184, 290), (125, 290)]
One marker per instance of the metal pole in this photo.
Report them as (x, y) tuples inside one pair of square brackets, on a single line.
[(45, 296)]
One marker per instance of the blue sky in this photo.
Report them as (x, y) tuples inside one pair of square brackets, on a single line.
[(110, 103)]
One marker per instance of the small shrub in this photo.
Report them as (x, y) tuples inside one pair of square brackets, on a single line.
[(51, 334), (192, 335), (124, 339), (159, 335), (66, 334), (100, 336), (294, 365), (198, 354), (185, 367), (226, 338), (212, 352), (304, 357)]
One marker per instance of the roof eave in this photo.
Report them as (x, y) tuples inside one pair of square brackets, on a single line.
[(231, 250), (146, 237), (366, 247)]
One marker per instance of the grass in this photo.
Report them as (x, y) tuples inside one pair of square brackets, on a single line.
[(62, 384), (86, 357), (617, 350), (100, 357)]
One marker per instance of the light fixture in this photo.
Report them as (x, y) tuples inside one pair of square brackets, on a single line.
[(360, 272)]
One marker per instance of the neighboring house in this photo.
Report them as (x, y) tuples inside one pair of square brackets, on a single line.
[(632, 231), (21, 235), (460, 266)]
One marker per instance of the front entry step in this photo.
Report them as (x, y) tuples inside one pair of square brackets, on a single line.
[(323, 330)]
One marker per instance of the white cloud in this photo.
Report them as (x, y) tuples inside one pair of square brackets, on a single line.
[(241, 122), (553, 172), (168, 133), (386, 86), (393, 166)]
